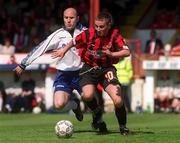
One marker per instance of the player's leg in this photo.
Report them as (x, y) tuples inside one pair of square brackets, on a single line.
[(97, 112), (88, 82), (97, 117), (77, 110), (62, 100), (113, 89), (120, 111), (63, 91)]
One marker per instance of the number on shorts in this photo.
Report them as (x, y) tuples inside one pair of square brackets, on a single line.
[(109, 75)]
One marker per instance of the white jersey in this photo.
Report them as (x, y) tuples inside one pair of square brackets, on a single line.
[(58, 39)]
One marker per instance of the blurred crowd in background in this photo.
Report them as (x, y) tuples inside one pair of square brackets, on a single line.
[(24, 23)]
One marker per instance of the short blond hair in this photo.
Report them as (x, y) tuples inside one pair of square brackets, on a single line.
[(105, 15)]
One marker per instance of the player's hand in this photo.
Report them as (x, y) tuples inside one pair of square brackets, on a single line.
[(18, 70), (58, 53), (108, 53)]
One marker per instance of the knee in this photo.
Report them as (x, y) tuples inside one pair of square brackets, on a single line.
[(87, 97), (59, 105), (118, 102)]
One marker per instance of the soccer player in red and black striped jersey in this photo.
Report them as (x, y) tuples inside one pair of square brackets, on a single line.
[(99, 48)]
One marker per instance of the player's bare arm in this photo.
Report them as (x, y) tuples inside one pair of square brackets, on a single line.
[(118, 54)]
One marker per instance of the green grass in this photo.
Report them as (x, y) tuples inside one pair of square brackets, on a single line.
[(146, 128)]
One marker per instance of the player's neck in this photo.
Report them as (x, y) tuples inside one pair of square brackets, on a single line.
[(71, 32)]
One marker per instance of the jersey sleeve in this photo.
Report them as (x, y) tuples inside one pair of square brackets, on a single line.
[(119, 42), (80, 40), (50, 43)]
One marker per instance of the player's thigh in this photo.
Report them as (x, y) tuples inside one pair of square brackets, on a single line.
[(88, 91), (114, 91), (61, 98), (112, 86)]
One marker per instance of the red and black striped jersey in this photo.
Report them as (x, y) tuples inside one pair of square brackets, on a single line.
[(91, 45)]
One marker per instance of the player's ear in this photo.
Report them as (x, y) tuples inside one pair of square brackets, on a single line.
[(110, 22), (77, 19), (109, 25)]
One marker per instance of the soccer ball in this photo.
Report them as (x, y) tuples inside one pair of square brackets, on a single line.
[(64, 129), (36, 110)]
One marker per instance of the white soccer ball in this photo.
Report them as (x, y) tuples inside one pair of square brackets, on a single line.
[(64, 129), (36, 110)]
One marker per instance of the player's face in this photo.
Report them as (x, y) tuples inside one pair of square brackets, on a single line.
[(70, 18), (102, 27)]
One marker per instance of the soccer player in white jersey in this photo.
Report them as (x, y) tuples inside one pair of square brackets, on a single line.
[(67, 78)]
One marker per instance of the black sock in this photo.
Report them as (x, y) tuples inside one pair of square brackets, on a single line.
[(97, 112), (121, 115), (92, 104)]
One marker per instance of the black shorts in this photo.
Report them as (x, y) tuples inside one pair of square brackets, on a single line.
[(98, 75)]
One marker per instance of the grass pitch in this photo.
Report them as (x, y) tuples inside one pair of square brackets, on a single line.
[(146, 128)]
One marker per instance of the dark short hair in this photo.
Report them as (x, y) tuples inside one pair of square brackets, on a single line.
[(105, 15)]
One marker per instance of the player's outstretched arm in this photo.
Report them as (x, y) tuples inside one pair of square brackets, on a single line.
[(61, 52), (118, 54)]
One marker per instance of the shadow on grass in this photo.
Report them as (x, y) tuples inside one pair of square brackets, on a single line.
[(85, 131), (132, 132), (140, 132)]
